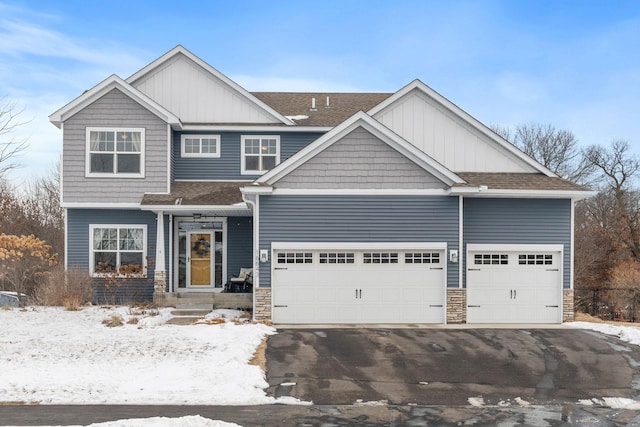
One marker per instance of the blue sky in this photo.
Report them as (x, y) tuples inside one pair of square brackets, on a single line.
[(572, 63)]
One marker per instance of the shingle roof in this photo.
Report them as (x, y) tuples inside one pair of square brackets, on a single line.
[(518, 181), (198, 193), (341, 105)]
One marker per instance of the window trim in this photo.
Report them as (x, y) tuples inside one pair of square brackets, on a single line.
[(200, 137), (87, 145), (243, 138), (92, 266)]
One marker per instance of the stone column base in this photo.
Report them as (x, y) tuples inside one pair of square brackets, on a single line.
[(262, 309), (568, 310), (456, 305), (160, 282)]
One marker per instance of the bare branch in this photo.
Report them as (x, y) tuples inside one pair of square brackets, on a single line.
[(10, 147)]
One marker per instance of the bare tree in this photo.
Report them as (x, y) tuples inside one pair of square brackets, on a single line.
[(10, 147), (618, 171), (556, 149)]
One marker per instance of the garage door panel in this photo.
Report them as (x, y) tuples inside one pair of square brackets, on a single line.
[(358, 286), (514, 287)]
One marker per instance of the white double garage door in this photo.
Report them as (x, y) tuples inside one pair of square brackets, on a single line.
[(324, 283)]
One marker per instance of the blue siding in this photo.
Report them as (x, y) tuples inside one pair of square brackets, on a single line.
[(358, 219), (227, 166), (79, 221), (239, 244), (519, 221)]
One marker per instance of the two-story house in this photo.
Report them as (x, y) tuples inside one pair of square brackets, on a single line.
[(350, 207)]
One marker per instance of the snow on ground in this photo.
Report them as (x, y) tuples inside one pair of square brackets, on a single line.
[(189, 421), (52, 356), (630, 334)]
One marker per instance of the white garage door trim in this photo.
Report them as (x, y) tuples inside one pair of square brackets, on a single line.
[(513, 249), (441, 247)]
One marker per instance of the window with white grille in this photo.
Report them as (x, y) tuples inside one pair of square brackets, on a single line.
[(491, 259), (295, 258), (380, 258), (337, 258), (422, 258), (535, 259)]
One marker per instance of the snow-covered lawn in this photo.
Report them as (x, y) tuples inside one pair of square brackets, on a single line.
[(52, 356)]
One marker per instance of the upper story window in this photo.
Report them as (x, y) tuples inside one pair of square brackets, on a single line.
[(200, 145), (115, 152), (259, 154)]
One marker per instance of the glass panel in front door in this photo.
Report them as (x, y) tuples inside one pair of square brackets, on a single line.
[(200, 259)]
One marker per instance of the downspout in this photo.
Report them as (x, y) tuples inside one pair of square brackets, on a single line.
[(255, 205)]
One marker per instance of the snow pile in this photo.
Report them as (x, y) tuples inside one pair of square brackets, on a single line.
[(189, 421), (52, 356), (613, 403), (630, 334)]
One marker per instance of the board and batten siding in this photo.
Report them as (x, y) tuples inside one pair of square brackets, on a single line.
[(359, 160), (519, 221), (198, 96), (114, 109), (78, 251), (447, 137), (358, 219), (227, 166)]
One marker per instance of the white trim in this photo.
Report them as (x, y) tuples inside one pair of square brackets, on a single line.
[(66, 238), (254, 128), (359, 246), (233, 85), (115, 152), (572, 247), (200, 137), (211, 180), (347, 191), (113, 82), (160, 263), (492, 247), (256, 189), (255, 262), (170, 281), (377, 129), (460, 240), (547, 194), (189, 208), (93, 205), (479, 126), (243, 138), (119, 226), (169, 164)]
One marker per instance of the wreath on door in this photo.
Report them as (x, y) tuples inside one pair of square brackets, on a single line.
[(202, 247)]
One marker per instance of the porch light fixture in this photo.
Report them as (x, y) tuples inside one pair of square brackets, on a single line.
[(197, 215)]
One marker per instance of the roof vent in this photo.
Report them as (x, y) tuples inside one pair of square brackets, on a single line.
[(313, 105)]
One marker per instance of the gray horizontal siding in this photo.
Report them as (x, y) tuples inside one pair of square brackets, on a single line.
[(78, 224), (227, 166), (358, 219), (239, 244), (359, 160), (114, 109), (519, 221)]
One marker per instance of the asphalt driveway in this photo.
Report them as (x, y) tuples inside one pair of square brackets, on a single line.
[(449, 366)]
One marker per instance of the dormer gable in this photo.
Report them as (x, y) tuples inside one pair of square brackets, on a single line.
[(199, 94), (450, 135)]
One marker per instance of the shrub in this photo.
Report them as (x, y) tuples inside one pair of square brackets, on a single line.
[(71, 289), (113, 321)]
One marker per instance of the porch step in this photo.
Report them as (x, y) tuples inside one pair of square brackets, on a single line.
[(188, 315), (195, 306)]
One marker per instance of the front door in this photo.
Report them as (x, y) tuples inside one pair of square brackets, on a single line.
[(200, 259)]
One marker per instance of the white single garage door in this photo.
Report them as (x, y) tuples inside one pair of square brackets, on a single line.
[(354, 285), (514, 284)]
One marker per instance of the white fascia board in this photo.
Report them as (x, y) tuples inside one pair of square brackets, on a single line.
[(182, 50), (254, 128), (475, 123), (361, 119), (189, 208), (113, 82), (540, 194), (479, 247), (256, 189), (89, 205), (358, 245), (358, 192)]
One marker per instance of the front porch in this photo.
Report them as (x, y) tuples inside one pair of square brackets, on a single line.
[(202, 300)]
